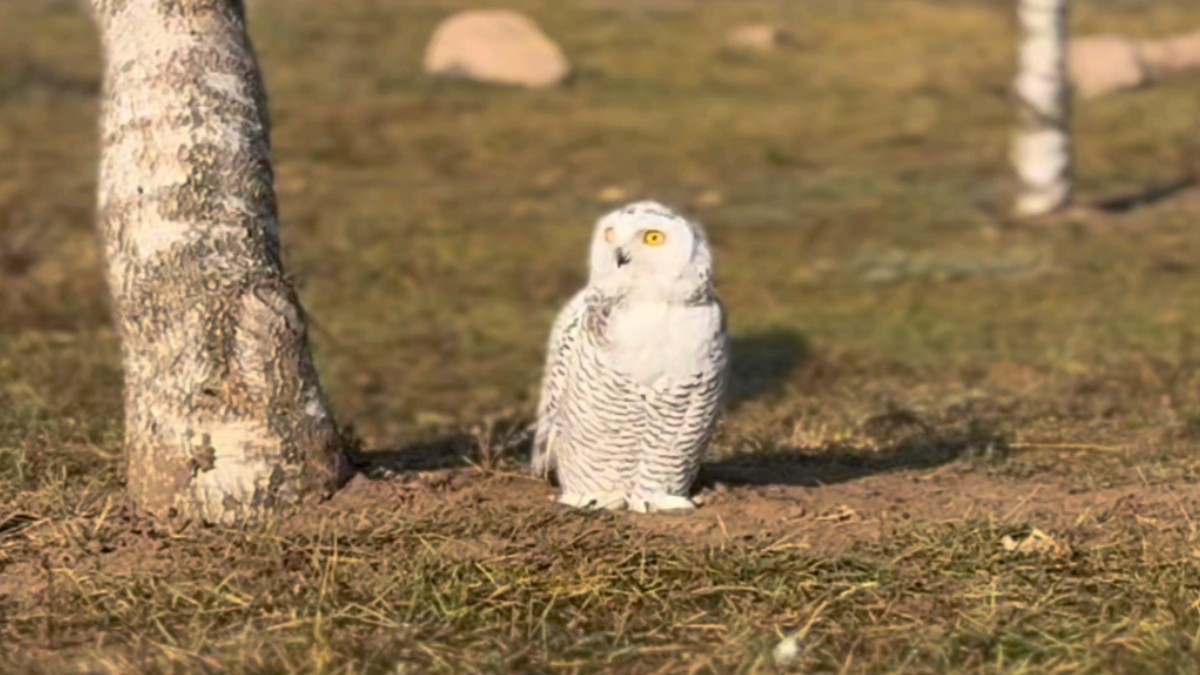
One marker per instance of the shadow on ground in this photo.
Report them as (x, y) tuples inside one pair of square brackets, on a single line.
[(906, 443), (496, 443), (763, 362), (922, 447), (450, 451), (1148, 196)]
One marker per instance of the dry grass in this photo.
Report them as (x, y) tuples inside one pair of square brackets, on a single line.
[(917, 377)]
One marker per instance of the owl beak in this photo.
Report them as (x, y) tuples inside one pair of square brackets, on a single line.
[(623, 258)]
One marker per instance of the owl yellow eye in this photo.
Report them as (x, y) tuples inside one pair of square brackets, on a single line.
[(610, 235), (654, 238)]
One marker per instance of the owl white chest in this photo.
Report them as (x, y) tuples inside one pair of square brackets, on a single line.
[(657, 342)]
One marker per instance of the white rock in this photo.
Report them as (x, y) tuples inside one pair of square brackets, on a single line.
[(759, 37), (497, 46), (787, 652), (612, 194), (1105, 64), (710, 198), (1171, 56)]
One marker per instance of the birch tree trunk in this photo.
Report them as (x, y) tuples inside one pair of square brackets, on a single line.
[(224, 416), (1042, 150)]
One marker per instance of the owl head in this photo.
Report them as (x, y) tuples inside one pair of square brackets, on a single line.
[(647, 246)]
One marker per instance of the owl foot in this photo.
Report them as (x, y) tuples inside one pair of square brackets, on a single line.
[(600, 500), (660, 502)]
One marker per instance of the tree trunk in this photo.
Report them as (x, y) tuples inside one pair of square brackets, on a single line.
[(1042, 151), (224, 416)]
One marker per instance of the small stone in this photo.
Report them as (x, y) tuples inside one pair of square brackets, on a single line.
[(496, 46), (759, 37), (548, 179), (1105, 64), (787, 652), (431, 418), (1171, 56), (709, 199), (1036, 542), (433, 479), (612, 194)]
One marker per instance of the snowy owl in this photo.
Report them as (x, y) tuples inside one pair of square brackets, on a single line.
[(636, 367)]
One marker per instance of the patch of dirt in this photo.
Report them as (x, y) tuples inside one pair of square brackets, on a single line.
[(831, 518), (428, 492), (116, 542), (22, 581), (825, 518)]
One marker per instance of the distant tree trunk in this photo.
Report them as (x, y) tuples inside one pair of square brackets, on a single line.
[(1042, 151), (224, 416)]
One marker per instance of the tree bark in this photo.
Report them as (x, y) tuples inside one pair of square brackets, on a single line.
[(225, 419), (1042, 150)]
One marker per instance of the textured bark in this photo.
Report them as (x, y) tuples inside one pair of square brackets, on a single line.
[(224, 415), (1042, 151)]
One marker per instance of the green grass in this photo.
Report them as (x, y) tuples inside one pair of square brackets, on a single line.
[(891, 323)]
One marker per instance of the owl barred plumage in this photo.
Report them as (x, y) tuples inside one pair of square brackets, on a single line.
[(635, 369)]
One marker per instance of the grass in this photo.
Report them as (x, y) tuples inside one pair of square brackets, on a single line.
[(916, 376)]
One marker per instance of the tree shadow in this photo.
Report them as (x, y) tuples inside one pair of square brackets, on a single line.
[(839, 463), (449, 451), (761, 363), (497, 443), (1148, 196), (905, 443)]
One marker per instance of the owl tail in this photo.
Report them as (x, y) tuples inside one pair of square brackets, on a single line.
[(541, 460)]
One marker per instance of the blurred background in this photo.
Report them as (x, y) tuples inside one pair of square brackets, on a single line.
[(854, 178), (850, 159)]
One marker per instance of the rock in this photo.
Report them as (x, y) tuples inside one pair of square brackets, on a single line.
[(1105, 64), (787, 652), (1171, 56), (612, 194), (759, 37), (709, 199), (1036, 542), (497, 46)]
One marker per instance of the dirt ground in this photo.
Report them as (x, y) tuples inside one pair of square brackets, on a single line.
[(789, 510), (1016, 529)]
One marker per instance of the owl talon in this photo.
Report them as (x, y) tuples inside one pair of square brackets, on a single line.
[(604, 500), (655, 503)]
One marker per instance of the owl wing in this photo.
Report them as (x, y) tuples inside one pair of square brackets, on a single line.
[(686, 414), (703, 398), (565, 341)]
